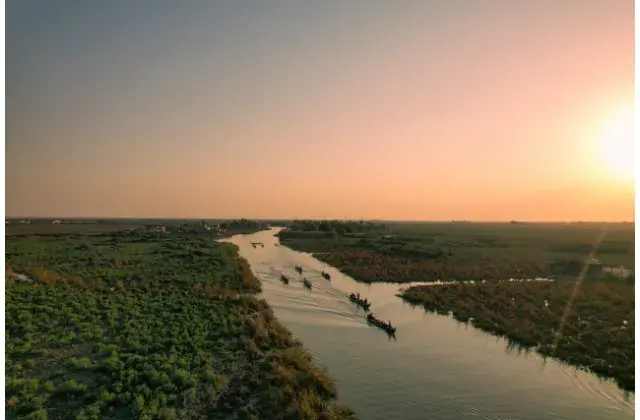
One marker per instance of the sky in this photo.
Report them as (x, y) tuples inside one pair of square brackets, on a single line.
[(376, 109)]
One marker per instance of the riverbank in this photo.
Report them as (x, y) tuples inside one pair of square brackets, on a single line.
[(149, 326), (596, 334)]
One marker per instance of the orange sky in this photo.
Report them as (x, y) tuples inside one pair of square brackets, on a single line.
[(432, 110)]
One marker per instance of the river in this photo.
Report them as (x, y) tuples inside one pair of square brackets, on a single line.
[(436, 368)]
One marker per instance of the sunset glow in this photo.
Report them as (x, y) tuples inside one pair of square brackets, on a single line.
[(429, 110), (617, 144)]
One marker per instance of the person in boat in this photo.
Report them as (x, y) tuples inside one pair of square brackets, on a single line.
[(358, 296), (365, 301)]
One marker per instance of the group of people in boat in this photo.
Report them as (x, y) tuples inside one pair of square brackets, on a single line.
[(356, 298), (326, 275), (370, 317), (378, 322)]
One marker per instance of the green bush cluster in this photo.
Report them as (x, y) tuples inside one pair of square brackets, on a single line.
[(149, 327), (340, 227)]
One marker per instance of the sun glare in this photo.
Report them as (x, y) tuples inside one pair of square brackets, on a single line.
[(616, 147)]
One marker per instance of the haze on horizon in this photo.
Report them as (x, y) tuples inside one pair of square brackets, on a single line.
[(425, 110)]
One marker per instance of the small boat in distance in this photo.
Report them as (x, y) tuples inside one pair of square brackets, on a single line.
[(284, 279), (363, 303), (299, 269), (256, 244), (386, 326), (326, 275), (306, 283)]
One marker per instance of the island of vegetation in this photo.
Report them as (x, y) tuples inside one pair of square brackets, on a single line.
[(595, 334), (149, 323)]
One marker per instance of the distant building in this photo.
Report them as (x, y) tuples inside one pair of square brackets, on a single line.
[(156, 228)]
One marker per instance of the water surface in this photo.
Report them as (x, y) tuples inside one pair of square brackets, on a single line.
[(436, 368)]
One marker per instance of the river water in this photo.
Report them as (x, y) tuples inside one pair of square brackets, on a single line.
[(436, 368)]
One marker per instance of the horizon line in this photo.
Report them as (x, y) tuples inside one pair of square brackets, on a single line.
[(459, 221)]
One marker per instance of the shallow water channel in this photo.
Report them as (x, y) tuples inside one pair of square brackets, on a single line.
[(436, 368)]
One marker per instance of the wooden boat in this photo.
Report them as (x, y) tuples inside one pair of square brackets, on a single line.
[(284, 279), (381, 324), (306, 283), (363, 303), (326, 275), (299, 269)]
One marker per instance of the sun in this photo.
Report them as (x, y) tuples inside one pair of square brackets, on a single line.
[(616, 144)]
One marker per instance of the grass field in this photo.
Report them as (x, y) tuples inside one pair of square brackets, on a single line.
[(136, 325), (597, 332), (409, 252)]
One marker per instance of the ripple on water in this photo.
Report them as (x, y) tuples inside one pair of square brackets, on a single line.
[(437, 368)]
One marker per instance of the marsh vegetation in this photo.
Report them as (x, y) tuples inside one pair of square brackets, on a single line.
[(411, 252), (597, 332), (139, 325)]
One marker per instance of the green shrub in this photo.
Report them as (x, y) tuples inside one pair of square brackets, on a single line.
[(39, 414), (71, 387), (80, 363)]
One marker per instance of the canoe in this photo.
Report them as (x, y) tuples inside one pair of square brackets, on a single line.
[(360, 302), (380, 324)]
